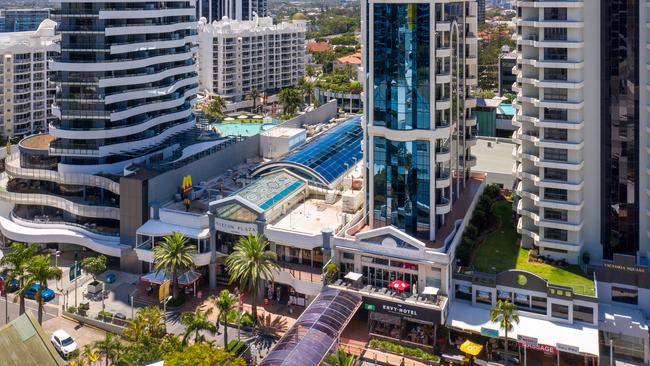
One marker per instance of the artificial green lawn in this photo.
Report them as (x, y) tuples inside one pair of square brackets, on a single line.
[(499, 252)]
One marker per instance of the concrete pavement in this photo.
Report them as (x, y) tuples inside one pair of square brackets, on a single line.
[(82, 334)]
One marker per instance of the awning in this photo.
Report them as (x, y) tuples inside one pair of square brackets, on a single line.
[(583, 336), (158, 278), (159, 228), (353, 276), (622, 320), (471, 348), (430, 290)]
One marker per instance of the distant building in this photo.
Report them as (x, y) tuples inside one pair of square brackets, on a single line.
[(237, 56), (22, 20), (507, 60), (481, 11), (215, 10), (317, 47), (494, 118), (25, 94)]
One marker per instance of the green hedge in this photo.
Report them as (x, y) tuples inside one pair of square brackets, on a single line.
[(391, 347)]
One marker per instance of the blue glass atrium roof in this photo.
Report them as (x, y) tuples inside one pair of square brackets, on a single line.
[(327, 157)]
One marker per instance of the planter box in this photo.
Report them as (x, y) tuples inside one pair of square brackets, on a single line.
[(94, 287)]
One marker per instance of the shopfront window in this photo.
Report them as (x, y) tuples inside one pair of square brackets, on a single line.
[(464, 292), (625, 295), (538, 304), (504, 295), (484, 297), (559, 311), (522, 300), (583, 313)]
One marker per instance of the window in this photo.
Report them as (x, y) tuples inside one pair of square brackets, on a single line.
[(583, 313), (551, 153), (559, 311), (484, 297), (504, 295), (464, 292), (557, 134), (555, 14), (348, 256), (555, 34), (555, 74), (555, 174), (522, 300), (555, 114), (555, 54), (555, 94), (553, 214), (625, 295), (538, 304), (555, 194), (555, 234)]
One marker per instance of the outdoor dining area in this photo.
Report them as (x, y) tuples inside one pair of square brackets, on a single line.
[(187, 282)]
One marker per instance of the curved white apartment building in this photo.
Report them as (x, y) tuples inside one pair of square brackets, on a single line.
[(126, 83)]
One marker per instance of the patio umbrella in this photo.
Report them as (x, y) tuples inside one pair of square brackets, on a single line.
[(228, 119), (399, 285), (471, 348), (242, 117), (188, 278)]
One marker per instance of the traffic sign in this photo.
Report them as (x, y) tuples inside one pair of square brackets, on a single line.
[(75, 271)]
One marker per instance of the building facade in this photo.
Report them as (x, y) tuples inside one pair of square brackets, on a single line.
[(126, 83), (215, 10), (26, 95), (22, 20), (481, 11), (238, 56), (580, 161), (507, 61)]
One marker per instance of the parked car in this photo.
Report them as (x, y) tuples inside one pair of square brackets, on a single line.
[(31, 292), (63, 343), (13, 286)]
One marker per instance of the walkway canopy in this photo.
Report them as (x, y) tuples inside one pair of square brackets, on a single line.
[(157, 278), (311, 338), (326, 158)]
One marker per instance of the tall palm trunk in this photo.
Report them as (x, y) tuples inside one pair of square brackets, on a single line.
[(21, 307), (254, 305), (506, 330), (225, 331), (174, 284)]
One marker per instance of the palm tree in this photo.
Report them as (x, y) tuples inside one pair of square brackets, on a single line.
[(172, 255), (291, 100), (331, 269), (306, 87), (215, 107), (88, 355), (16, 262), (110, 348), (341, 358), (40, 270), (505, 313), (254, 94), (195, 323), (248, 264), (310, 72), (224, 304)]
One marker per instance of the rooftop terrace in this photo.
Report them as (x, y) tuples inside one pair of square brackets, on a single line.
[(500, 252)]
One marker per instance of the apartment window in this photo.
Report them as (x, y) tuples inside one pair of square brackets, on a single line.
[(551, 153), (555, 94), (555, 114), (555, 14), (559, 311), (553, 214), (555, 174), (555, 34), (583, 313), (556, 74), (556, 134), (555, 54), (348, 256), (464, 292), (625, 295), (555, 234)]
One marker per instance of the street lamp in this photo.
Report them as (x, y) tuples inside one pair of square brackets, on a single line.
[(56, 264)]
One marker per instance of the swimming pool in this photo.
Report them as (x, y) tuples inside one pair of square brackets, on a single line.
[(241, 129)]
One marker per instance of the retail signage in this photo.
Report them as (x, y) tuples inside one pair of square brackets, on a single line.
[(489, 332), (525, 340), (622, 267), (568, 348), (233, 227), (397, 308), (549, 350)]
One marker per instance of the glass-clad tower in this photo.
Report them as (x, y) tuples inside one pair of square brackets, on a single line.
[(420, 63)]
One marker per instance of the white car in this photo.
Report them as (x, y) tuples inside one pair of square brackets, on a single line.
[(63, 342)]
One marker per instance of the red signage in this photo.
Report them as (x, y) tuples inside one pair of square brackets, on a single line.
[(550, 350)]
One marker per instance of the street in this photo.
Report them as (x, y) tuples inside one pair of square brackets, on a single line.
[(49, 311)]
